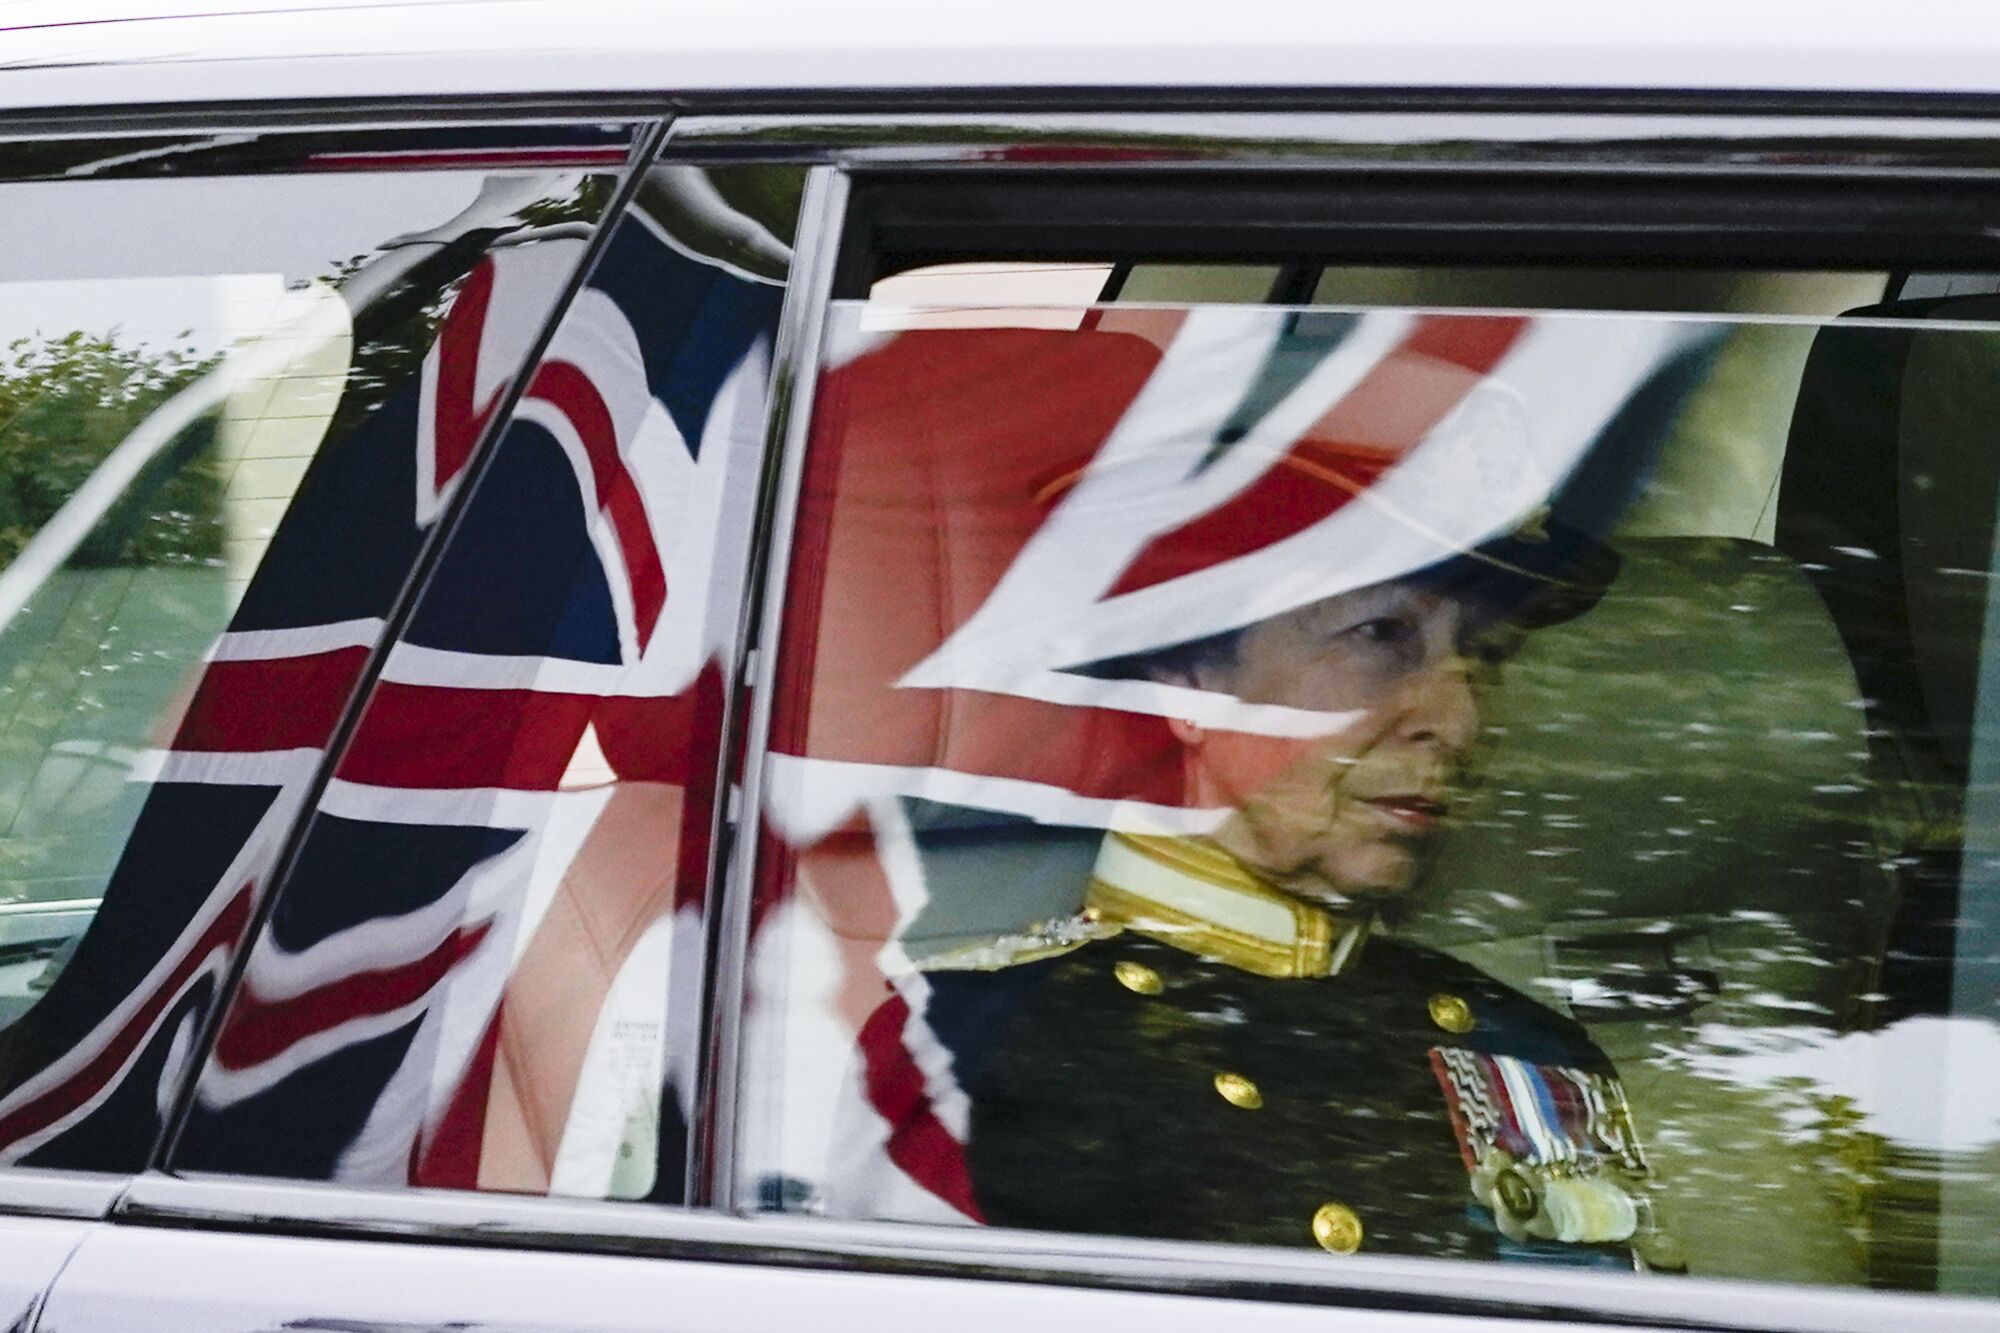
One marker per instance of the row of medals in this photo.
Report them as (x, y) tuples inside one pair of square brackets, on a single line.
[(1576, 1203)]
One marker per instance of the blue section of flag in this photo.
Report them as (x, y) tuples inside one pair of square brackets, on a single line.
[(695, 321), (354, 871), (524, 530), (299, 1127), (189, 834), (125, 1126), (350, 534)]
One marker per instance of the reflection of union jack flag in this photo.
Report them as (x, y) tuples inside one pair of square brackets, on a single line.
[(546, 683), (1042, 500), (95, 1060), (535, 719)]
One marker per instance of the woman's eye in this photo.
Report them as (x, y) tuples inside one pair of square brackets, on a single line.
[(1387, 630)]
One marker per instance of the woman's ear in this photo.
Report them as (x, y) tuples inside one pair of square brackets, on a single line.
[(1189, 733)]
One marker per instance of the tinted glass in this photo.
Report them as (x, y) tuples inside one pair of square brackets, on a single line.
[(484, 970), (1057, 295), (227, 423), (1491, 785)]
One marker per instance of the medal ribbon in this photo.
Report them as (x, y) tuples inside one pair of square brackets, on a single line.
[(1535, 1114), (1543, 1114)]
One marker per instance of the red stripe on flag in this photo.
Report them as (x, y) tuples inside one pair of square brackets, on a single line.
[(280, 703), (566, 388), (76, 1091), (1472, 342), (700, 735), (436, 737), (258, 1029), (919, 1143), (1368, 431), (449, 1157), (458, 421), (675, 740), (654, 739)]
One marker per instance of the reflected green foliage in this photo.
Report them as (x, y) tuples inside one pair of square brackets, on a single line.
[(770, 194), (745, 216), (65, 404), (583, 204), (86, 667)]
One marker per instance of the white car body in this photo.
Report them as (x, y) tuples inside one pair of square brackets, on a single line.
[(887, 81)]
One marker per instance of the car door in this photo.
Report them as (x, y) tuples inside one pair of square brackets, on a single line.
[(37, 1248)]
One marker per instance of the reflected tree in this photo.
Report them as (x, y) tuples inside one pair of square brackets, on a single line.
[(65, 403)]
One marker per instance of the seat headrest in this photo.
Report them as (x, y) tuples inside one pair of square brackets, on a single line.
[(1887, 502)]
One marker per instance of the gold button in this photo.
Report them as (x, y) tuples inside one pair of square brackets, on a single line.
[(1138, 977), (1239, 1091), (1451, 1013), (1093, 915), (1338, 1228)]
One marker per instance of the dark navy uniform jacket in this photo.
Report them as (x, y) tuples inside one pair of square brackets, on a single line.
[(1132, 1087)]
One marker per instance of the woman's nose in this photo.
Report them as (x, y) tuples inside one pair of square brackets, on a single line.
[(1442, 707)]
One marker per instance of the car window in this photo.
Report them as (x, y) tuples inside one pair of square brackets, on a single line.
[(1468, 767), (1050, 291), (227, 422), (484, 967)]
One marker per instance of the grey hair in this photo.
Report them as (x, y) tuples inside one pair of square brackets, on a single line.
[(1175, 662)]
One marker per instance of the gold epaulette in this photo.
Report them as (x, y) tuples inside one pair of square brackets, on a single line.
[(1049, 939)]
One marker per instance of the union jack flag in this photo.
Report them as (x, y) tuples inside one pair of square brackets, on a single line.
[(527, 784)]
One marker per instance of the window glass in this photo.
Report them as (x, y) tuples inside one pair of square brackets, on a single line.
[(971, 294), (1396, 779), (484, 968), (1696, 291), (226, 424)]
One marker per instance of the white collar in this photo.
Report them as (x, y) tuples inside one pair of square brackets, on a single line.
[(1191, 894)]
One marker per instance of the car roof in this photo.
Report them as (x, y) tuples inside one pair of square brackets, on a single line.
[(69, 53)]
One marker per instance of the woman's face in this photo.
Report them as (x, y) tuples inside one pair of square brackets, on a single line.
[(1345, 814)]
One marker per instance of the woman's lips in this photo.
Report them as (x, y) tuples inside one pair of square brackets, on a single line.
[(1415, 814)]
